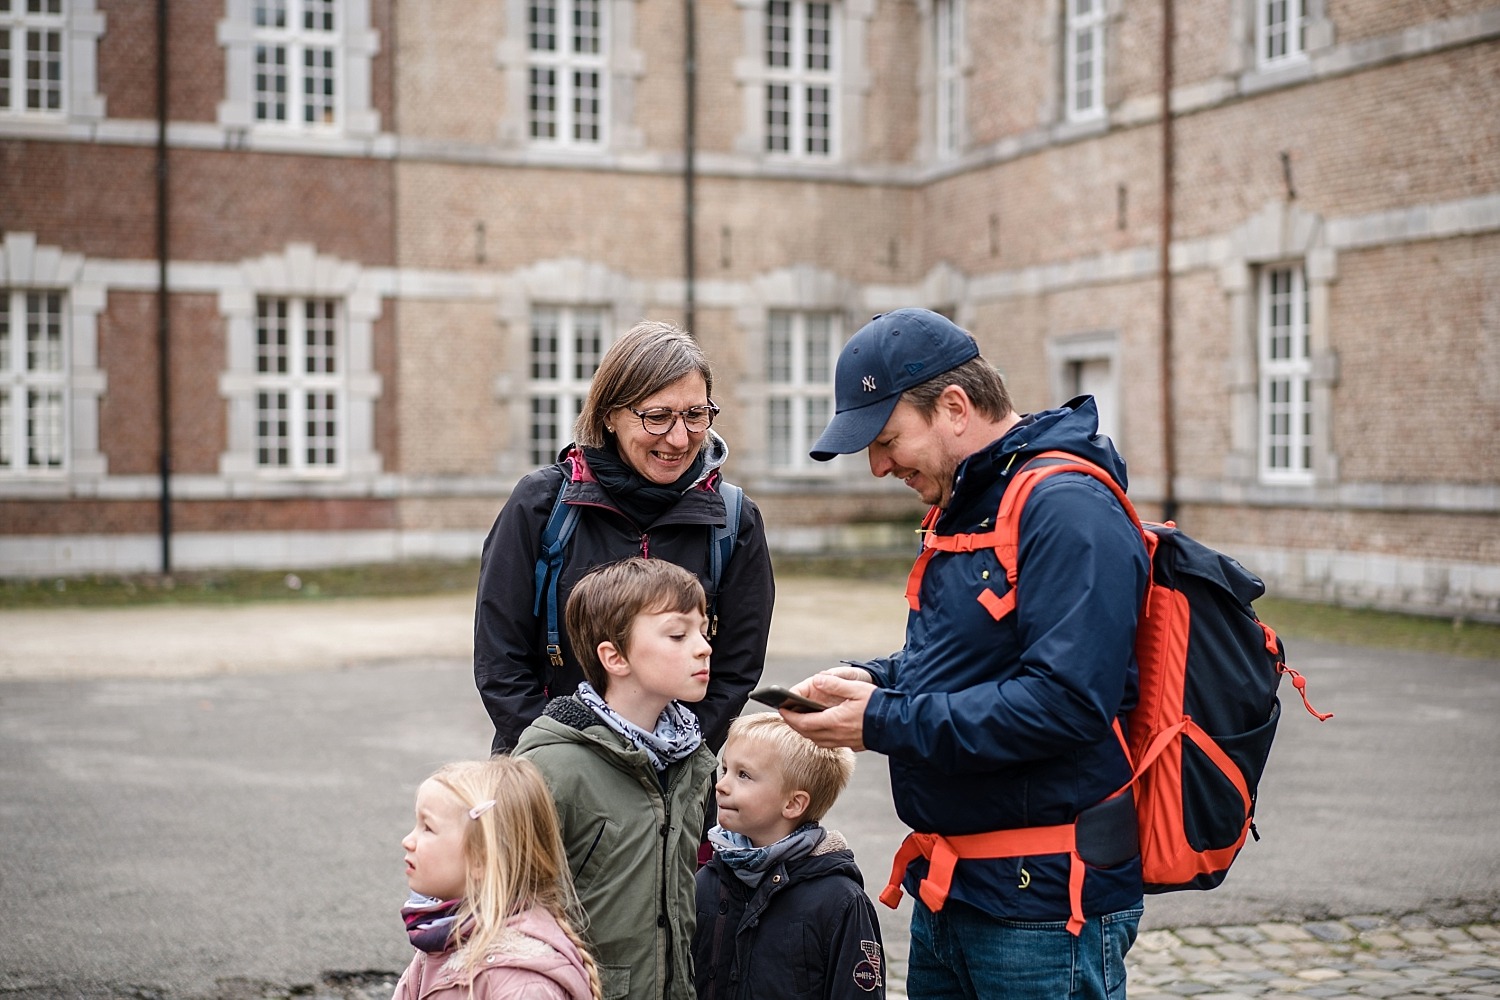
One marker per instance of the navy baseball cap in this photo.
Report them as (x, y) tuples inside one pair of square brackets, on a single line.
[(889, 355)]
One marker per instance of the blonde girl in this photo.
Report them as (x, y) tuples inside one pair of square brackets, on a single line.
[(492, 913)]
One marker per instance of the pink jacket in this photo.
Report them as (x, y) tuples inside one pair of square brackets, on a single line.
[(533, 960)]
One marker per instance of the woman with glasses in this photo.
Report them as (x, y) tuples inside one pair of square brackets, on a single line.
[(644, 478)]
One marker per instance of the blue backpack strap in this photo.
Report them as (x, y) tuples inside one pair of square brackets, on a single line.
[(555, 535), (721, 546)]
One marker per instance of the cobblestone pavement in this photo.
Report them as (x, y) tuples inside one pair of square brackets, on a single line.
[(1356, 958)]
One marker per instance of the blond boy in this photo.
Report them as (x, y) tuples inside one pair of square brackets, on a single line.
[(782, 909)]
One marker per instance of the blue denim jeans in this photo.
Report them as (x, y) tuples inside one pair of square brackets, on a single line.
[(961, 953)]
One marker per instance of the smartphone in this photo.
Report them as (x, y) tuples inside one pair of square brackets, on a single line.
[(779, 697)]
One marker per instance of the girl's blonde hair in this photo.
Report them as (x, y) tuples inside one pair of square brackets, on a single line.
[(513, 854)]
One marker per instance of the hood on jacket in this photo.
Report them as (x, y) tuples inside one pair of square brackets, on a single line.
[(715, 454), (532, 941), (1072, 427)]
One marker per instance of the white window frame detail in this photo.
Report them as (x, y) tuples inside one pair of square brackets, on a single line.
[(300, 360), (352, 45), (566, 63), (27, 270), (811, 35), (1284, 364), (1280, 32), (73, 29), (1081, 104), (299, 275), (1067, 353), (948, 61), (802, 348), (33, 381), (568, 386)]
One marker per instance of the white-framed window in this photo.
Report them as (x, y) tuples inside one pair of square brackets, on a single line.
[(1280, 31), (299, 67), (1286, 376), (1089, 364), (299, 385), (567, 72), (33, 382), (566, 346), (948, 93), (297, 45), (801, 86), (1083, 65), (32, 46), (801, 351)]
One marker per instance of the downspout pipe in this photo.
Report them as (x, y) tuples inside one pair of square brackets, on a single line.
[(1168, 182), (689, 164), (163, 313)]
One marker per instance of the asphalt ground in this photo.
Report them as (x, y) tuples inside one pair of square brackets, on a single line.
[(207, 802)]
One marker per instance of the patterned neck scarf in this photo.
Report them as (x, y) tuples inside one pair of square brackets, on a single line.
[(676, 736), (750, 863), (432, 924)]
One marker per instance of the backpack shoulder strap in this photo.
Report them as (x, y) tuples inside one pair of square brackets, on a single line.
[(1005, 537), (721, 546), (554, 542)]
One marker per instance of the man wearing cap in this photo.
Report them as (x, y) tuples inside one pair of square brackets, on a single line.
[(998, 728)]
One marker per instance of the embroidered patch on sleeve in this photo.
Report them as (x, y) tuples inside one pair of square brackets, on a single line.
[(867, 972)]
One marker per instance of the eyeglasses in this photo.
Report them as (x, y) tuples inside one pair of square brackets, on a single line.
[(660, 420)]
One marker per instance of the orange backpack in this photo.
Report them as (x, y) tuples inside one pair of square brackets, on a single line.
[(1197, 739)]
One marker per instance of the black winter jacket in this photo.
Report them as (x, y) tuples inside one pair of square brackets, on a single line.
[(807, 931), (511, 668)]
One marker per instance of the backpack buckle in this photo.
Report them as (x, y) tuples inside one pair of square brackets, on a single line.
[(554, 653)]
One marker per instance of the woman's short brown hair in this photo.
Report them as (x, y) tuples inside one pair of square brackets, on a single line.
[(649, 357)]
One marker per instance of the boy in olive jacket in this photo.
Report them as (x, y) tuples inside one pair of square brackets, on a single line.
[(628, 769)]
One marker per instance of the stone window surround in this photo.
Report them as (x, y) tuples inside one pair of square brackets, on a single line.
[(852, 84), (81, 100), (624, 64), (27, 266), (928, 82), (359, 43), (1094, 345), (301, 273), (567, 282), (1279, 234)]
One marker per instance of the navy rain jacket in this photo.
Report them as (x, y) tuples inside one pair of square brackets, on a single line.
[(1003, 725)]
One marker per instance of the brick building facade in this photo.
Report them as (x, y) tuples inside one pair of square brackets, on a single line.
[(379, 244)]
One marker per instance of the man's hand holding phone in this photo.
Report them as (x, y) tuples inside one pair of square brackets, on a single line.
[(845, 690)]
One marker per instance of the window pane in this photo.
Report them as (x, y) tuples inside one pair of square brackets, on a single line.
[(586, 27), (44, 428), (44, 344), (541, 20), (271, 336), (586, 106), (819, 348), (5, 347), (318, 86), (272, 441), (779, 432), (543, 103), (7, 448), (778, 118), (270, 13), (544, 430), (318, 15), (321, 337), (779, 348), (819, 37), (43, 70), (544, 344), (779, 34), (819, 140), (270, 83), (322, 429), (588, 344), (5, 64)]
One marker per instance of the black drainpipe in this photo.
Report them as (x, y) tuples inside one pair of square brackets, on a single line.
[(163, 320), (689, 166), (1168, 169)]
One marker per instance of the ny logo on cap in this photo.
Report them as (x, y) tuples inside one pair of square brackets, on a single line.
[(868, 383)]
